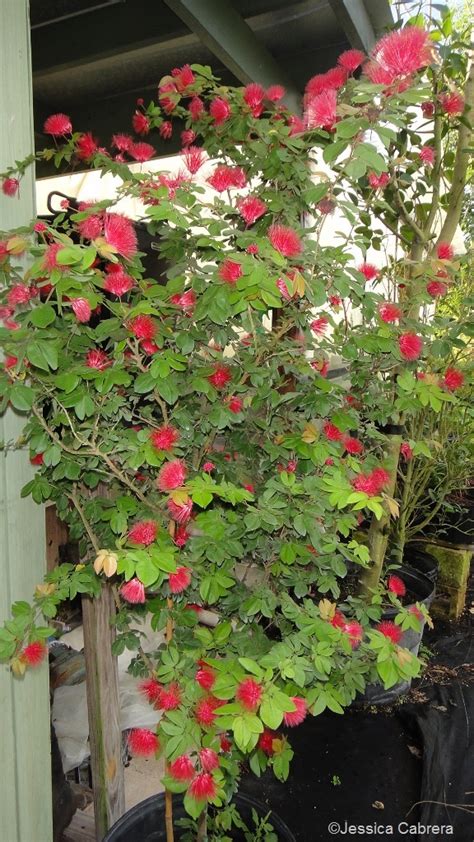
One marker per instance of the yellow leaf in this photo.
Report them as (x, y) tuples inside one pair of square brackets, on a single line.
[(429, 621), (179, 496), (404, 656), (104, 248), (298, 284), (310, 433), (110, 564), (327, 609), (18, 667), (99, 561), (277, 746), (45, 590), (16, 245), (393, 506), (79, 567)]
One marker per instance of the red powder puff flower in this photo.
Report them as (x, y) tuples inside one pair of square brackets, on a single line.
[(203, 787), (406, 451), (413, 609), (185, 300), (338, 621), (320, 111), (250, 488), (336, 77), (143, 327), (378, 182), (283, 289), (320, 325), (205, 710), (235, 405), (194, 158), (297, 716), (143, 532), (133, 591), (296, 125), (265, 741), (369, 271), (166, 130), (373, 483), (34, 653), (226, 744), (208, 467), (10, 361), (452, 104), (180, 580), (180, 512), (209, 759), (10, 186), (274, 93), (140, 123), (436, 289), (410, 345), (254, 95), (97, 359), (219, 110), (149, 347), (181, 536), (120, 234), (188, 137), (335, 301), (221, 179), (143, 742), (332, 432), (182, 769), (91, 227), (18, 294), (316, 85), (350, 60), (353, 445), (164, 438), (390, 630), (122, 142), (183, 77), (206, 677), (170, 697), (428, 109), (284, 240), (86, 146), (117, 282), (230, 271), (196, 108), (251, 208), (40, 227), (82, 309), (38, 458), (354, 632), (403, 52), (427, 155), (249, 694), (151, 689), (57, 125), (142, 152), (444, 251), (321, 366), (220, 377), (453, 379), (389, 312), (171, 475), (396, 586)]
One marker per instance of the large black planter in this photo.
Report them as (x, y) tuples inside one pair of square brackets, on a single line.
[(146, 821), (423, 562), (424, 590)]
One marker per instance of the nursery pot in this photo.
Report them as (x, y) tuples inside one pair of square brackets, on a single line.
[(458, 526), (424, 590), (422, 562), (146, 821)]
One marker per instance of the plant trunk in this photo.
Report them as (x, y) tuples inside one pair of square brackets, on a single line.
[(379, 529), (202, 827), (169, 638)]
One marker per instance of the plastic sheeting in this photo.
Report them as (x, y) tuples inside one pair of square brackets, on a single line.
[(69, 710)]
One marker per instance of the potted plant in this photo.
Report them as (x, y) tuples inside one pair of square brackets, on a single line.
[(187, 431)]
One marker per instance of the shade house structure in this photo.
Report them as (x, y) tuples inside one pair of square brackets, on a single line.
[(92, 59)]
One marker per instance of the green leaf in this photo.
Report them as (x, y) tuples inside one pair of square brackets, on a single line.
[(43, 354), (270, 714), (22, 397), (43, 315), (67, 382)]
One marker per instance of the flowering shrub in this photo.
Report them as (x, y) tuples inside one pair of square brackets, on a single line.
[(185, 425)]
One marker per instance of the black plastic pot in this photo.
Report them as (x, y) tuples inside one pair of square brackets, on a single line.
[(424, 590), (146, 821), (423, 562)]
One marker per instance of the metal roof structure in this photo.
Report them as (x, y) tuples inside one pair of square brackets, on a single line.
[(93, 58)]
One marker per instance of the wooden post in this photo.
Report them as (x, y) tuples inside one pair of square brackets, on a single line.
[(104, 710), (25, 793)]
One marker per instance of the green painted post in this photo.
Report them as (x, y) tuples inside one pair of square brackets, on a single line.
[(25, 791)]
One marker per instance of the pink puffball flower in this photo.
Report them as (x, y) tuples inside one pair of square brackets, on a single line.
[(97, 359), (165, 437), (34, 653), (203, 787), (82, 309), (389, 312), (390, 630), (444, 251), (171, 475), (320, 111), (427, 155), (179, 580), (144, 532), (57, 125), (284, 240), (369, 271), (410, 345), (219, 110), (452, 104), (10, 186), (350, 60), (296, 717), (406, 451), (209, 759), (320, 325), (453, 379), (182, 769), (396, 586), (251, 208), (230, 271), (436, 289), (119, 233), (274, 93), (378, 182), (133, 591), (249, 694), (143, 742), (220, 376)]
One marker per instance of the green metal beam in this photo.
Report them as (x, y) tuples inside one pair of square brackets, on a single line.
[(354, 19), (221, 28)]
